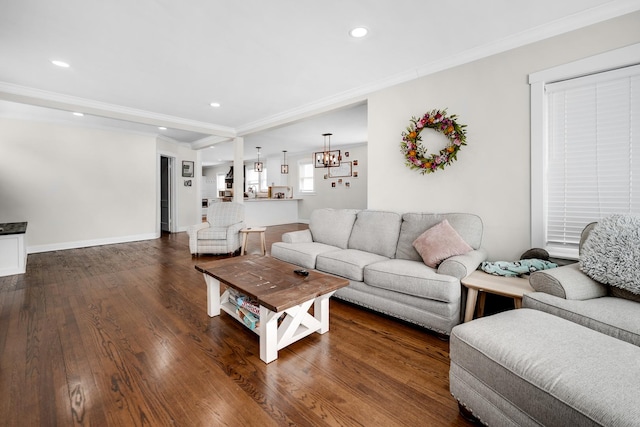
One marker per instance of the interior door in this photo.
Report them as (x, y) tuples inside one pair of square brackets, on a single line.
[(165, 194)]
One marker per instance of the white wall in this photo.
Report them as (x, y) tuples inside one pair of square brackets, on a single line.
[(340, 196), (77, 186), (490, 96)]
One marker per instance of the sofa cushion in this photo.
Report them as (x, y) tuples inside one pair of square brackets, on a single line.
[(332, 226), (412, 278), (439, 243), (468, 226), (616, 317), (347, 263), (622, 293), (302, 254), (376, 232)]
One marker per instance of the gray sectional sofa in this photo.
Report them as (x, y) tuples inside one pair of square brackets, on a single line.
[(571, 356), (374, 250)]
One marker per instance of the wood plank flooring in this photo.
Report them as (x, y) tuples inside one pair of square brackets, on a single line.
[(118, 335)]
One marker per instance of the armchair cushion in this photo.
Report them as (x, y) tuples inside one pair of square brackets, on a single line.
[(213, 233)]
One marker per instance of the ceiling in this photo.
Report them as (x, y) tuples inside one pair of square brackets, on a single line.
[(283, 71)]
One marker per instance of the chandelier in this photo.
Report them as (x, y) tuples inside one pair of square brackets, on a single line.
[(257, 166), (327, 158), (284, 167)]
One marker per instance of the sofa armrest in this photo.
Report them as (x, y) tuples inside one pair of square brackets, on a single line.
[(235, 229), (299, 236), (192, 232), (567, 282), (461, 266)]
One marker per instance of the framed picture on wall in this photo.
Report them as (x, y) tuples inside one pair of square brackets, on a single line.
[(343, 170), (187, 169)]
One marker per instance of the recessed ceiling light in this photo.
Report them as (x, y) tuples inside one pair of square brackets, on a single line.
[(358, 32), (215, 104), (162, 128), (60, 63), (78, 114)]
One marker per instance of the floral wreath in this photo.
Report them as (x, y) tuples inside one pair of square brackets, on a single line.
[(416, 155)]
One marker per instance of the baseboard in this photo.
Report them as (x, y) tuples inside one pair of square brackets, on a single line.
[(87, 243)]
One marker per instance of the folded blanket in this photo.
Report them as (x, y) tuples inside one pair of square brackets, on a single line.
[(516, 268)]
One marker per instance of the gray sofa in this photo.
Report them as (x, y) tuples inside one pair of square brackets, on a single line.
[(571, 356), (373, 249)]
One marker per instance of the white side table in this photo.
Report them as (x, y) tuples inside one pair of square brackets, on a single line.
[(245, 234), (483, 283)]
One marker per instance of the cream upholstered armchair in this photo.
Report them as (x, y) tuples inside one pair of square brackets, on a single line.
[(221, 233)]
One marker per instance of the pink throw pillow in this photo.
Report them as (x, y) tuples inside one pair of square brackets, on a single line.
[(439, 243)]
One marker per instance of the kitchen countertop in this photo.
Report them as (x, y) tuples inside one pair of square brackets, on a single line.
[(265, 199)]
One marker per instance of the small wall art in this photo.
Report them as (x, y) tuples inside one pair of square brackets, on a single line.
[(343, 170), (187, 169)]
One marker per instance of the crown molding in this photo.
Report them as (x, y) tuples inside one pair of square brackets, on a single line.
[(16, 93), (576, 21), (570, 23), (42, 98)]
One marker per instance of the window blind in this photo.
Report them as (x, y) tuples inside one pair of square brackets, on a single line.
[(593, 152)]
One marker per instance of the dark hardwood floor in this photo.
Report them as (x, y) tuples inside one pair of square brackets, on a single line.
[(118, 335)]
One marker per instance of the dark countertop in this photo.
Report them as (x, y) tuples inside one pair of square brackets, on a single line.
[(12, 228)]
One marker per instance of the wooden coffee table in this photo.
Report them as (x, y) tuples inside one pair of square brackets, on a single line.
[(278, 290)]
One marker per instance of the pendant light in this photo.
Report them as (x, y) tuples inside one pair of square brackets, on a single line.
[(284, 167), (327, 158), (257, 166)]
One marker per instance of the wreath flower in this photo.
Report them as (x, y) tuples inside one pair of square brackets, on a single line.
[(416, 156)]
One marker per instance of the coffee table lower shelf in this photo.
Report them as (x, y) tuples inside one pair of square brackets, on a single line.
[(297, 323)]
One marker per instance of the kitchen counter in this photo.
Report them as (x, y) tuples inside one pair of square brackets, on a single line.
[(266, 199), (265, 212), (13, 248)]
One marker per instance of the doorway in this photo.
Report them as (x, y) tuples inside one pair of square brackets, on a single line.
[(166, 193)]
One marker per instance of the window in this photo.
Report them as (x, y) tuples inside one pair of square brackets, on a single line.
[(585, 154), (221, 185), (305, 172), (257, 180)]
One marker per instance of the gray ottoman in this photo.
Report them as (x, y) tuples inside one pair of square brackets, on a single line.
[(529, 368)]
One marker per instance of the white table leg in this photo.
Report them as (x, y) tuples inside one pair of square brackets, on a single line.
[(268, 335), (213, 295), (321, 312)]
